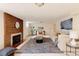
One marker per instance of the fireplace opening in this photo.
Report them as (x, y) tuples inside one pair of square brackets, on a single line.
[(16, 39)]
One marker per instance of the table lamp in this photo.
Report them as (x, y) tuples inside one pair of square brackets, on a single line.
[(73, 36)]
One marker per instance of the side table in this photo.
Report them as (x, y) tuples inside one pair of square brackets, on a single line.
[(71, 46)]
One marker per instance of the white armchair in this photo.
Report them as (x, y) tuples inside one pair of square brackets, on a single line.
[(62, 40)]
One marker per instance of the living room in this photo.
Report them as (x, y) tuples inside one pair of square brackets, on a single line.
[(26, 21)]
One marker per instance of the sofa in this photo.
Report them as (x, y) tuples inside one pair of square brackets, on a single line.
[(8, 51)]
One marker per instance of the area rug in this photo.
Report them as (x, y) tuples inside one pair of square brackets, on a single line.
[(46, 47)]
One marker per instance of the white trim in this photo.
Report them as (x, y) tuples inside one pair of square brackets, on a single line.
[(15, 35)]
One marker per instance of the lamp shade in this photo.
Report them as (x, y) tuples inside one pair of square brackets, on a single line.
[(73, 35)]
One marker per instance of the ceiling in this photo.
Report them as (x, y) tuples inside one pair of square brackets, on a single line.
[(48, 12)]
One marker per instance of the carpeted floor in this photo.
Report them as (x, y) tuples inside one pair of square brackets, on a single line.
[(46, 47)]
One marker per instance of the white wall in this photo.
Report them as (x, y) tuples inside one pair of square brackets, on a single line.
[(76, 23), (1, 30), (48, 27), (25, 30)]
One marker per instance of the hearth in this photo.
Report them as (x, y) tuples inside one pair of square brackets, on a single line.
[(16, 39)]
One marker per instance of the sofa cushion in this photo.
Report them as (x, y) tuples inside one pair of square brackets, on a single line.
[(7, 51)]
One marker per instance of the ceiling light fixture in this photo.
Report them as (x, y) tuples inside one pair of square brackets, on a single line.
[(39, 4)]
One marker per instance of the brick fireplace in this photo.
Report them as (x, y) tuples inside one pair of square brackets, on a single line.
[(12, 35)]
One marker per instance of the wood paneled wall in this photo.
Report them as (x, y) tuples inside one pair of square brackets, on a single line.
[(9, 28)]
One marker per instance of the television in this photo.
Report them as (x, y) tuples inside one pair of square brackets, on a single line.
[(67, 24)]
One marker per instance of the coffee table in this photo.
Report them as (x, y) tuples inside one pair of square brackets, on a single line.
[(39, 41)]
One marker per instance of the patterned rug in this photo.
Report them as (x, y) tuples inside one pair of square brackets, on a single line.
[(46, 47)]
